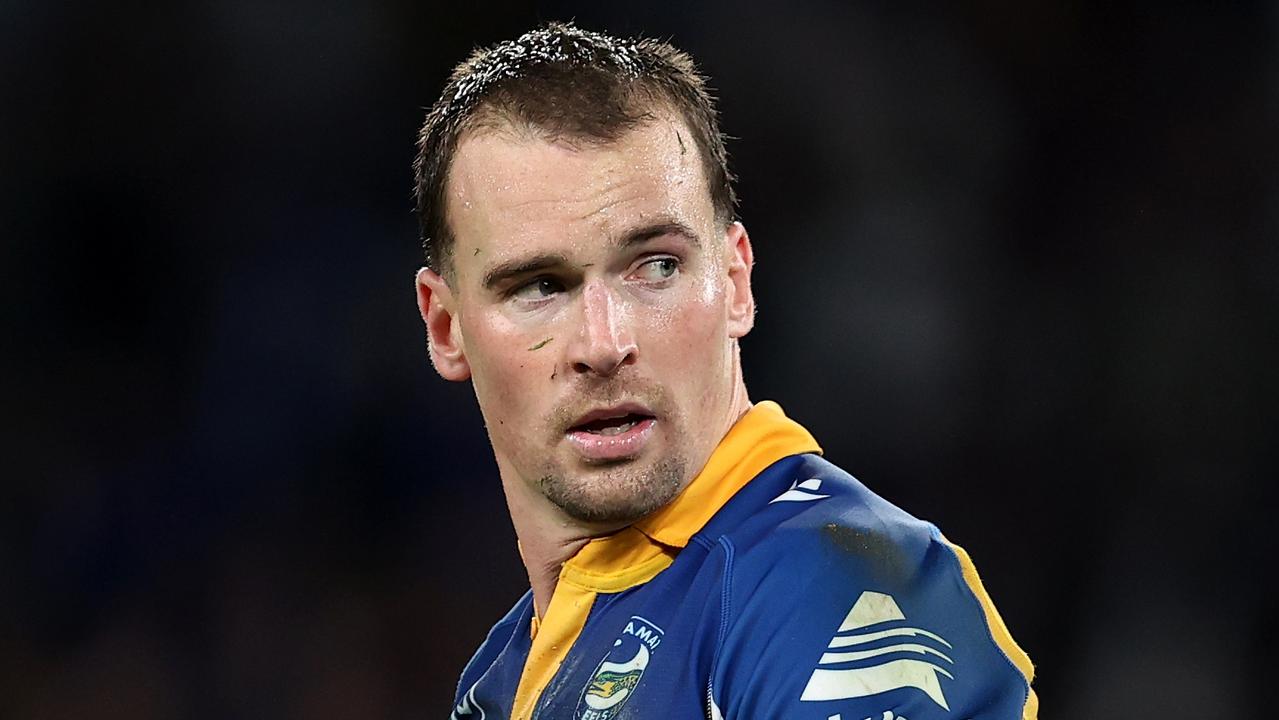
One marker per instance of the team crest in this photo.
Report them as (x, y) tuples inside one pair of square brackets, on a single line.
[(618, 674)]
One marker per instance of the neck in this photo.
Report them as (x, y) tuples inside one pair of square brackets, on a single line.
[(548, 539)]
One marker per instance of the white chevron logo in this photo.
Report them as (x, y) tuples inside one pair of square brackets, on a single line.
[(879, 676), (468, 707), (801, 492)]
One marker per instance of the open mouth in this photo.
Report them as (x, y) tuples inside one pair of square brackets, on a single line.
[(610, 426), (612, 434)]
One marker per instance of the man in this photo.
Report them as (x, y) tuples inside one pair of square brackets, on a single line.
[(689, 553)]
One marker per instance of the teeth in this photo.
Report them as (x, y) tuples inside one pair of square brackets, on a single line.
[(617, 429)]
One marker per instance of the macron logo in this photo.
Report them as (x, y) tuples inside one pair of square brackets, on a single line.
[(801, 492), (873, 662)]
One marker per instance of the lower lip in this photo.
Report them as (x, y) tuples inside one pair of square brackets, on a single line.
[(604, 448)]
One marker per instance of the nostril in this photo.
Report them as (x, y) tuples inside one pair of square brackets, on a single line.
[(603, 362)]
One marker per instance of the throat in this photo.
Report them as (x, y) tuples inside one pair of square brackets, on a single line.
[(544, 571)]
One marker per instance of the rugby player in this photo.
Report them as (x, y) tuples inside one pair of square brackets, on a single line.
[(690, 554)]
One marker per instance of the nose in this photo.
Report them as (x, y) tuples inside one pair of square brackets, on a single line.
[(606, 340)]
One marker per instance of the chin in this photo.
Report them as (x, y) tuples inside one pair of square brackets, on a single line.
[(618, 494)]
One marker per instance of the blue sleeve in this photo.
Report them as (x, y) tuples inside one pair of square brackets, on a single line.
[(885, 621)]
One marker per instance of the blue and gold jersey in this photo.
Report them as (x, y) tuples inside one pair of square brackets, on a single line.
[(775, 586)]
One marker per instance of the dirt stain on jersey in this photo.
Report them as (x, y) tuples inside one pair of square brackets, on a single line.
[(873, 551)]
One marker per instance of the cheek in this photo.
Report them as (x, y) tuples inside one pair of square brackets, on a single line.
[(503, 370), (688, 338)]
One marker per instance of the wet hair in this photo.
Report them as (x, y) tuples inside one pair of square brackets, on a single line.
[(565, 84)]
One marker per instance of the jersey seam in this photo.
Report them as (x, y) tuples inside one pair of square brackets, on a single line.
[(616, 581), (703, 542), (725, 610)]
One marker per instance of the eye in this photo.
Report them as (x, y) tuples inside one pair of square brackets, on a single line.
[(658, 269), (537, 289)]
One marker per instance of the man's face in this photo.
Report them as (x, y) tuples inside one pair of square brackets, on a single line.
[(594, 302)]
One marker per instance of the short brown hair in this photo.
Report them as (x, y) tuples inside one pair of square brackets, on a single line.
[(565, 83)]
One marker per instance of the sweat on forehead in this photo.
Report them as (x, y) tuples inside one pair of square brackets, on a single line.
[(568, 85), (507, 188)]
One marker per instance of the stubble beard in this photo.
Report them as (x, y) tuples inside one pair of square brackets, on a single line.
[(619, 494)]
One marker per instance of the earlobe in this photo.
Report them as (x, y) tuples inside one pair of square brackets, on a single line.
[(741, 306), (443, 333)]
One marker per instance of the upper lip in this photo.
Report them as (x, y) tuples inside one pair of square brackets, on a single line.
[(615, 411)]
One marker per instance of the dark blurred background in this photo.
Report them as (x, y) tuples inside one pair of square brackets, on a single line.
[(1017, 271)]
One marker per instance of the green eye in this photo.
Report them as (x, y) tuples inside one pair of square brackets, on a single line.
[(657, 269)]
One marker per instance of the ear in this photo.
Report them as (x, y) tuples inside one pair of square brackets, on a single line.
[(741, 302), (443, 331)]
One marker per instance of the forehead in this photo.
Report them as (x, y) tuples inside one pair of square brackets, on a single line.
[(510, 191)]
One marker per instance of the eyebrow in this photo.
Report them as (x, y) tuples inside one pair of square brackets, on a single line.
[(515, 268), (658, 229), (500, 273)]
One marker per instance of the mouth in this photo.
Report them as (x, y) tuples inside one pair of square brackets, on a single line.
[(613, 426), (611, 434), (611, 421)]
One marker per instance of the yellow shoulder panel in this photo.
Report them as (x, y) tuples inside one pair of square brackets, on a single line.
[(998, 630)]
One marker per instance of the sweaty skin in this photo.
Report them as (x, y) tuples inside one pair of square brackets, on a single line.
[(595, 303)]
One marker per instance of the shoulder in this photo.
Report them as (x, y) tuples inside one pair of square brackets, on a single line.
[(497, 638), (807, 517), (847, 602)]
